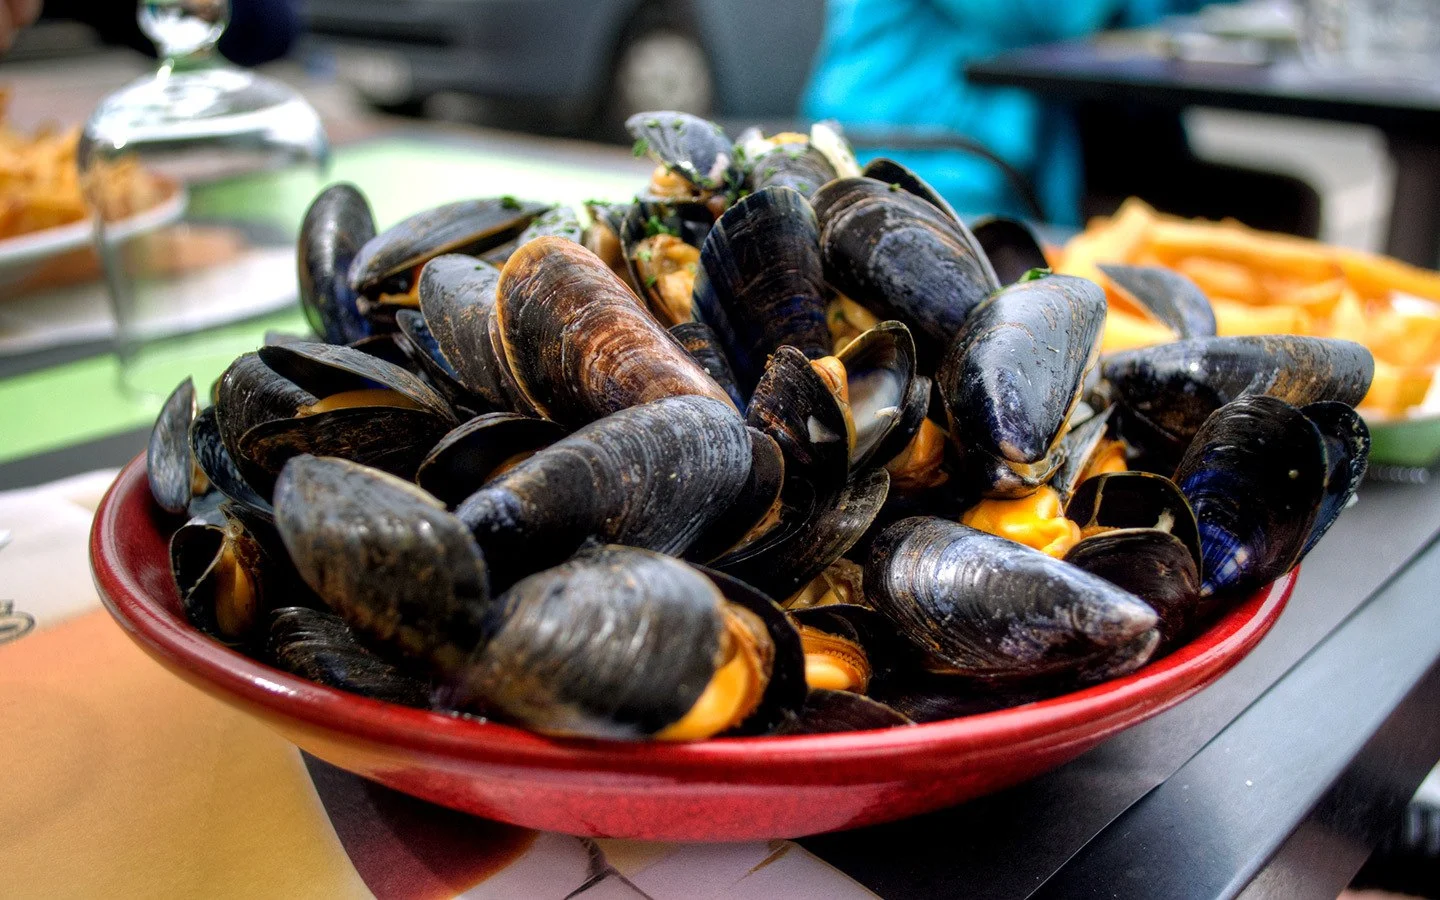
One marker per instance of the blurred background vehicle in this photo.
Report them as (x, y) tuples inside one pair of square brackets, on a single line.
[(570, 66)]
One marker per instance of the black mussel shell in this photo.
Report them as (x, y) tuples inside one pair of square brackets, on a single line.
[(319, 646), (214, 460), (1016, 368), (704, 347), (457, 299), (760, 284), (384, 346), (1154, 565), (169, 463), (1171, 297), (795, 165), (793, 405), (755, 502), (616, 642), (912, 415), (695, 149), (466, 226), (902, 257), (1167, 391), (230, 571), (561, 222), (829, 712), (981, 605), (423, 353), (655, 476), (1255, 476), (1077, 446), (1010, 245), (249, 393), (580, 344), (337, 224), (1135, 500), (893, 173), (385, 556), (879, 367), (326, 369), (810, 537), (391, 439), (467, 457), (1347, 456)]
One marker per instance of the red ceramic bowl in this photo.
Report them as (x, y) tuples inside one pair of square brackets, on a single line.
[(718, 790)]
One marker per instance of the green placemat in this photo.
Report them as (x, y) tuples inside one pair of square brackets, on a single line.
[(80, 401)]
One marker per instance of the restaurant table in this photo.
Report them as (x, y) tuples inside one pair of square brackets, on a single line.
[(1406, 111), (1275, 781)]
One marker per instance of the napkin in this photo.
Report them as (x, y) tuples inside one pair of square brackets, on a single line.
[(121, 780)]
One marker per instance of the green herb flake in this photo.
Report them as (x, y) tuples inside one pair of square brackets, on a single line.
[(1035, 274), (651, 279), (654, 226), (678, 125), (894, 187), (652, 122), (641, 147), (509, 202), (644, 255)]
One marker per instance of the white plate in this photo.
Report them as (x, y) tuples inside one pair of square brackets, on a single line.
[(19, 254)]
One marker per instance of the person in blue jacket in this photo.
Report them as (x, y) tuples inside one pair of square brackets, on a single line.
[(887, 63)]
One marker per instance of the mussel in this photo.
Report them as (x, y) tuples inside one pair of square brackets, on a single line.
[(337, 224), (1013, 375), (170, 465), (620, 642), (579, 344), (983, 606), (1168, 296), (898, 254), (321, 647), (694, 149), (655, 476)]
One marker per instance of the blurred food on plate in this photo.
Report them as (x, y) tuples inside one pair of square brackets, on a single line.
[(1259, 282), (40, 184)]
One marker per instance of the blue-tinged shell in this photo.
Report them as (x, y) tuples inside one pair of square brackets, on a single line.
[(337, 224)]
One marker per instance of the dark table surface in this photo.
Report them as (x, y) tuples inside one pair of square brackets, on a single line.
[(1274, 782), (1087, 70)]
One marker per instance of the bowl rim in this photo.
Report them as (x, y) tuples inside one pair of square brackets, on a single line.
[(1108, 706)]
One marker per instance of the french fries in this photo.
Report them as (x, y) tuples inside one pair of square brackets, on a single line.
[(40, 184), (1264, 283)]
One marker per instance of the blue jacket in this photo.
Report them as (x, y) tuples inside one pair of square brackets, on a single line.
[(884, 63)]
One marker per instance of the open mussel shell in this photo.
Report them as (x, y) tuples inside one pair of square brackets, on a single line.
[(656, 476), (902, 257), (687, 221), (386, 557), (1167, 391), (704, 347), (621, 643), (891, 172), (831, 712), (793, 404), (784, 161), (423, 352), (1255, 476), (1347, 455), (466, 226), (249, 393), (319, 646), (693, 148), (810, 536), (1154, 565), (1010, 245), (1015, 371), (169, 464), (457, 299), (1135, 500), (214, 460), (1078, 446), (760, 284), (471, 454), (1170, 297), (337, 224), (879, 368), (230, 571), (362, 408), (561, 222), (984, 606), (579, 344)]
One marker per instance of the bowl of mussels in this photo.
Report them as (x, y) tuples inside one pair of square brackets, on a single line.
[(773, 502)]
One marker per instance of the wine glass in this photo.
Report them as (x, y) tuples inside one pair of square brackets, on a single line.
[(197, 177)]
